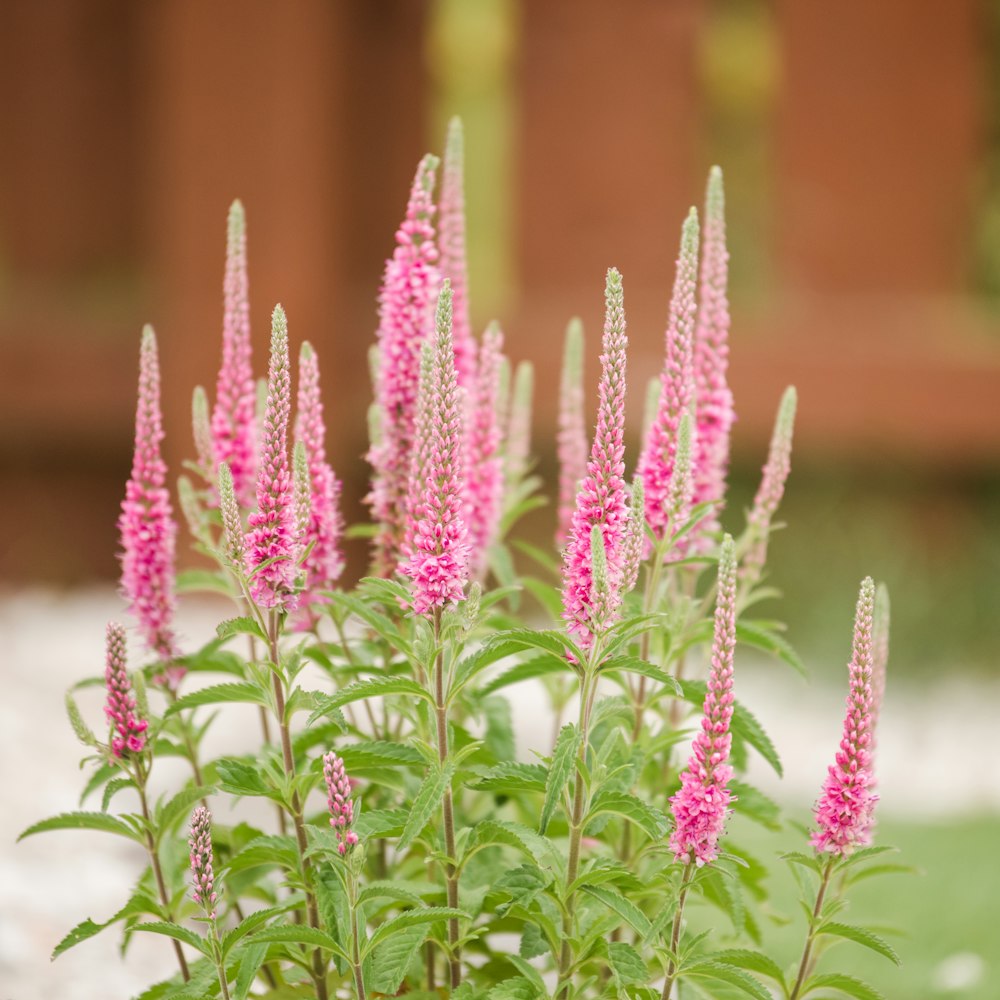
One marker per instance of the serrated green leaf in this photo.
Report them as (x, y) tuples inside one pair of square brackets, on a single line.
[(405, 892), (412, 918), (192, 581), (860, 935), (263, 852), (378, 754), (112, 788), (516, 988), (393, 957), (167, 815), (427, 799), (651, 821), (175, 931), (753, 961), (84, 821), (634, 665), (730, 975), (375, 687), (378, 823), (296, 934), (562, 766), (846, 984), (626, 963), (248, 964), (240, 778), (240, 626), (251, 923), (754, 634), (533, 942), (218, 694), (625, 908), (139, 903), (755, 805), (511, 776), (537, 666)]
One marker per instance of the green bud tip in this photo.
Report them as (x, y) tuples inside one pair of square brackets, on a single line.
[(689, 235), (306, 351), (279, 323), (428, 165), (455, 141), (236, 221)]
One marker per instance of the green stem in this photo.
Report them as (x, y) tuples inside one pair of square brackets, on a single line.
[(359, 980), (447, 805), (312, 911), (220, 965), (804, 964), (675, 934)]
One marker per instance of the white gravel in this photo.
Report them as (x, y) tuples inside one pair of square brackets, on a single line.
[(934, 758)]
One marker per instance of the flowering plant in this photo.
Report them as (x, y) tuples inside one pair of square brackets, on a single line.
[(444, 863)]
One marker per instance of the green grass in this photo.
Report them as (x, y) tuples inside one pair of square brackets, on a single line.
[(951, 906)]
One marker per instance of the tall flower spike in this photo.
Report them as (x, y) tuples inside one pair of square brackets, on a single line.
[(301, 499), (701, 806), (772, 486), (406, 302), (339, 802), (234, 416), (146, 524), (271, 539), (438, 563), (232, 526), (484, 472), (880, 655), (129, 729), (634, 536), (517, 445), (323, 563), (681, 487), (601, 500), (571, 437), (202, 873), (677, 386), (714, 401), (454, 265), (201, 425), (844, 812), (422, 448)]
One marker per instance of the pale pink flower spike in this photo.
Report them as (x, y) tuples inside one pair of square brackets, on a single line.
[(202, 873), (571, 436), (129, 729), (339, 802)]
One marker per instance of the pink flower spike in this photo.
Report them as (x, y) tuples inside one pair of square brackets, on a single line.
[(571, 437), (146, 525), (202, 874), (128, 729), (437, 563), (234, 416), (713, 399), (324, 562), (454, 266), (339, 802), (601, 501), (880, 654), (484, 488), (271, 542), (634, 536), (406, 319), (677, 384), (844, 812), (701, 806), (772, 487)]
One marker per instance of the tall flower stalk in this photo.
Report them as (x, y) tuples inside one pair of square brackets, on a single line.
[(203, 886), (406, 317), (234, 416), (146, 525), (571, 436), (601, 501)]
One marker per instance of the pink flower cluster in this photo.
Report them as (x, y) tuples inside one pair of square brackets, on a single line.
[(120, 708), (701, 806), (437, 557), (146, 525), (601, 501), (844, 812), (339, 802), (409, 289), (271, 542), (202, 875)]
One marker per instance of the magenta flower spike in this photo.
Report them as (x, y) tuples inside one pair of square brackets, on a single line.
[(713, 399), (129, 730), (571, 436), (701, 806), (234, 416), (454, 266), (601, 501), (437, 564), (677, 385), (406, 319), (271, 541), (146, 525), (772, 486), (844, 812), (339, 802), (202, 873), (324, 563), (484, 480)]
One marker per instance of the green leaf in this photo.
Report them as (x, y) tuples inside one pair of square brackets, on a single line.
[(375, 687), (218, 694), (626, 963), (753, 634), (248, 964), (139, 903), (755, 805), (860, 935), (516, 835), (378, 823), (112, 788), (296, 934), (846, 984), (393, 957), (533, 942), (538, 666), (167, 815), (412, 918), (84, 821), (562, 766), (651, 821), (190, 581), (550, 640), (377, 754), (174, 931), (427, 799), (385, 889), (626, 909), (516, 988), (240, 778), (523, 884), (634, 665), (250, 924), (265, 852), (240, 626), (753, 961), (805, 860), (509, 776), (732, 976)]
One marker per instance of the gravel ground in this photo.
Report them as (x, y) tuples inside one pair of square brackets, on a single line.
[(51, 882)]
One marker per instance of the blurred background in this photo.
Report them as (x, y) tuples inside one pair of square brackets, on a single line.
[(861, 149)]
